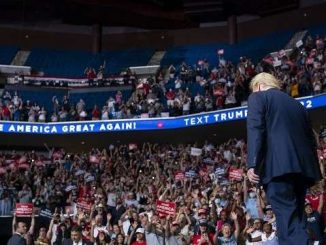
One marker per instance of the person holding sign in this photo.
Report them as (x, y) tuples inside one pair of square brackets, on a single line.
[(18, 237), (282, 154), (29, 233)]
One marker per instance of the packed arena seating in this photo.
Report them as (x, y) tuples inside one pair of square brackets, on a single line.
[(114, 192), (97, 151), (187, 89)]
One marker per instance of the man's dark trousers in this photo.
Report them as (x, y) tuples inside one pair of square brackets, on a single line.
[(286, 194)]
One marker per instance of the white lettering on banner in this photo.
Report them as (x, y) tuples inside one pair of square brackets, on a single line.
[(17, 128), (117, 126), (78, 128), (196, 120), (307, 103), (106, 126), (224, 116)]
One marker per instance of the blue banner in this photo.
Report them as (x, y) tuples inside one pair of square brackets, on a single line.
[(200, 119)]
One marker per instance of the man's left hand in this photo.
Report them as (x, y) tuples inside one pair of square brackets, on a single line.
[(254, 178)]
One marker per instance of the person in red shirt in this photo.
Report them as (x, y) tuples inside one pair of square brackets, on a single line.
[(170, 96), (203, 237), (5, 113), (317, 199), (90, 74), (140, 237), (96, 113)]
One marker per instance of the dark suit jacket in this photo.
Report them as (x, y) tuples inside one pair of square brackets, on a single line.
[(116, 213), (69, 242), (280, 138), (16, 240)]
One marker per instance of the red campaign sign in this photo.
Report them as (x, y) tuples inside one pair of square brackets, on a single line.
[(179, 176), (166, 208), (235, 174), (84, 205), (24, 209)]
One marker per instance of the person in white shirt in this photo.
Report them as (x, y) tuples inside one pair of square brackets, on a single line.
[(42, 115), (131, 201), (178, 83), (268, 236), (105, 113), (111, 197), (254, 233)]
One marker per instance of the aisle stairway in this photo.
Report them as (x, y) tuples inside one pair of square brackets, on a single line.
[(20, 58), (156, 58), (295, 38)]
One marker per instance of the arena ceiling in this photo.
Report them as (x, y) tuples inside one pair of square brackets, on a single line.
[(147, 14)]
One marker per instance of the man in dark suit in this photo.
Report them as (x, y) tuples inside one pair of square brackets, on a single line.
[(281, 155), (117, 211), (76, 237), (17, 238)]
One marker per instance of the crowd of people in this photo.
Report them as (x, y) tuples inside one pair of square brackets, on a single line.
[(221, 85), (115, 196)]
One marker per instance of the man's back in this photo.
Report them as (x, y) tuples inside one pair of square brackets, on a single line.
[(16, 239), (286, 140), (281, 155)]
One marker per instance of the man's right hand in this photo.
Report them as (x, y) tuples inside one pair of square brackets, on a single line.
[(254, 178)]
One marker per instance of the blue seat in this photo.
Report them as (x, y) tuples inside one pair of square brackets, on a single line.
[(63, 63), (117, 61), (255, 48), (7, 54)]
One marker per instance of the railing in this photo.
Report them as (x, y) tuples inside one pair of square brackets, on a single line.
[(64, 82)]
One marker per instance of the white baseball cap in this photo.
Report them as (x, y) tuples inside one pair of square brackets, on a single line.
[(140, 230)]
